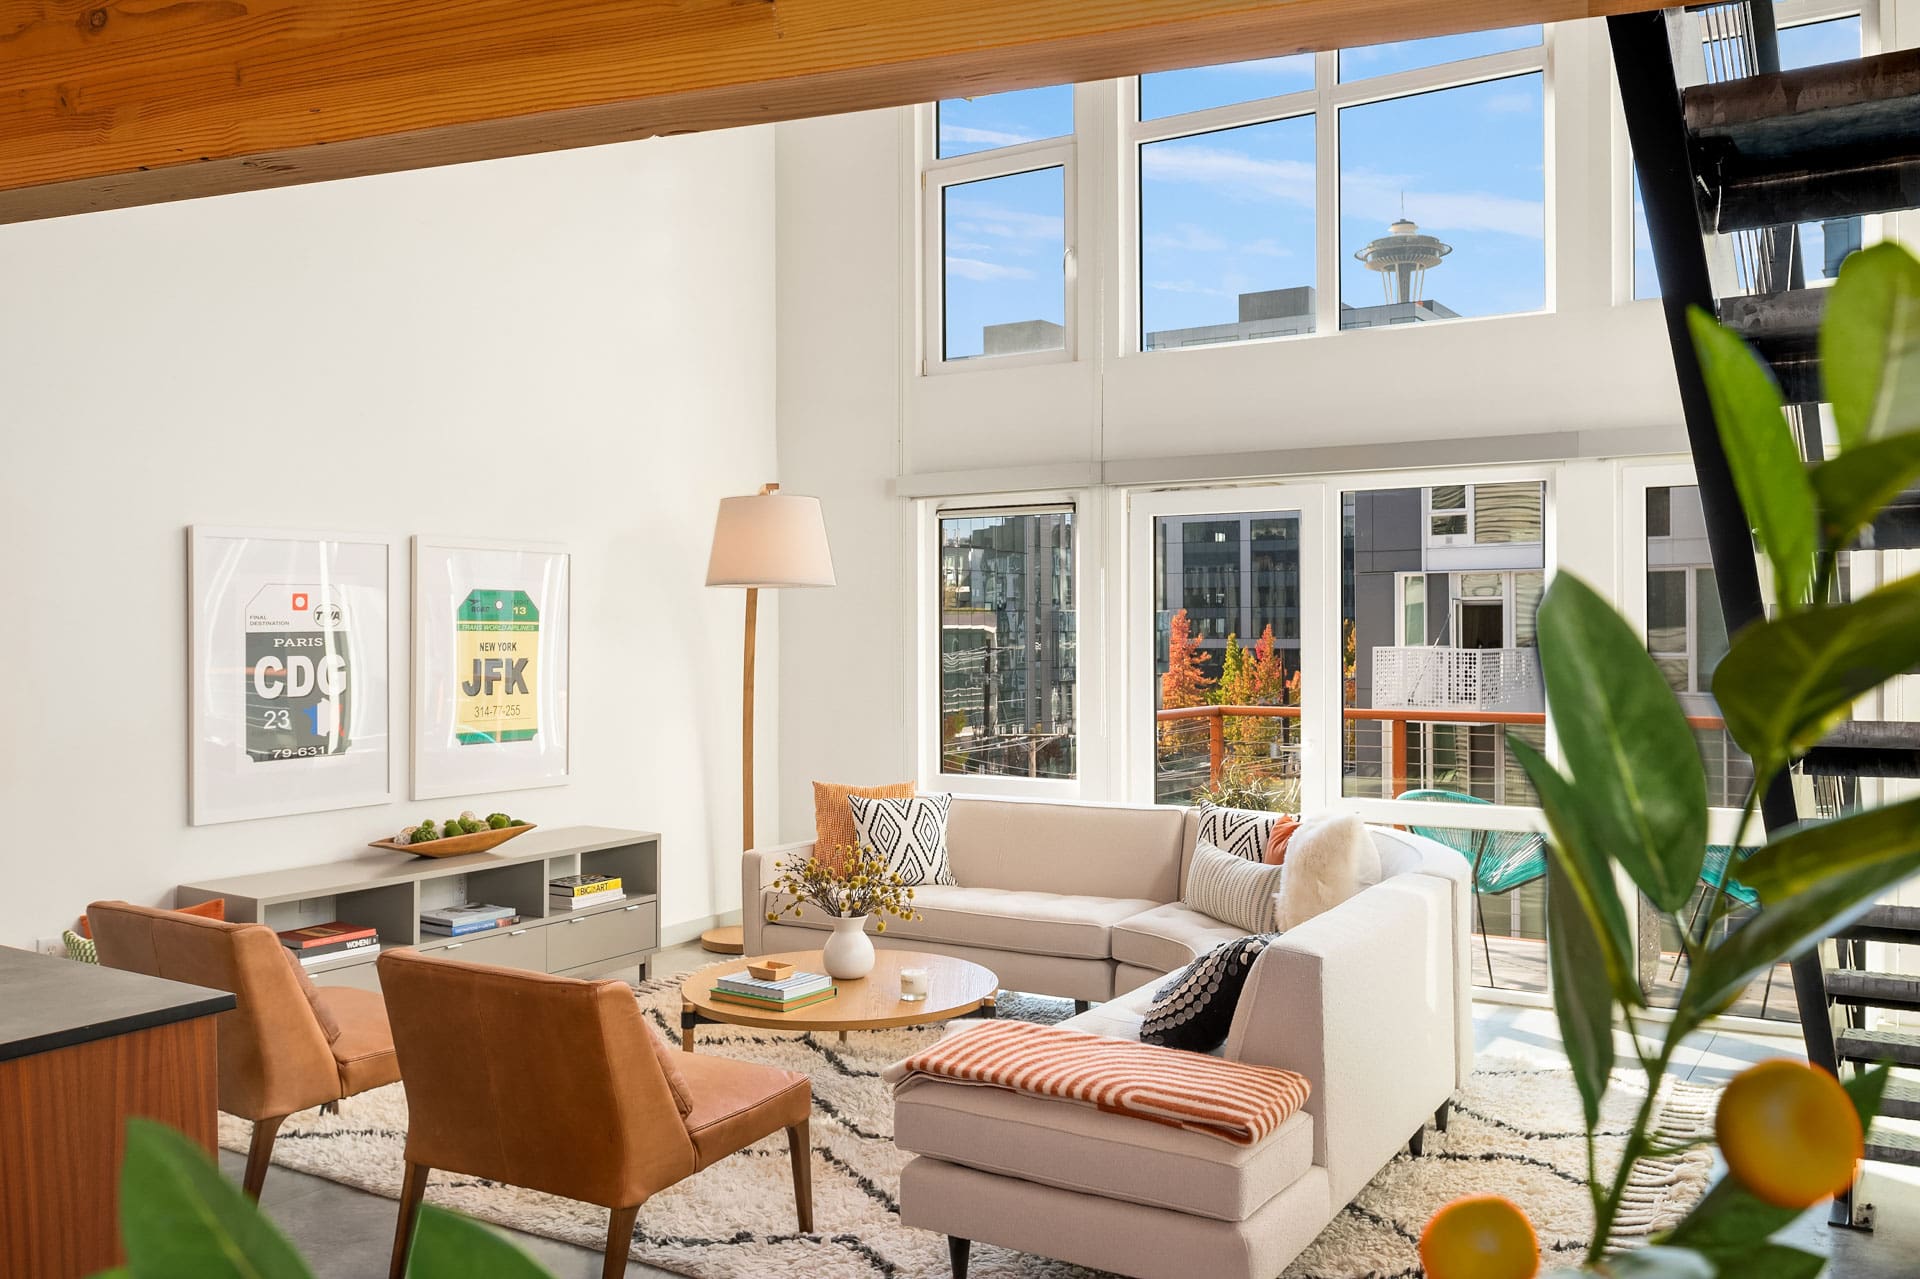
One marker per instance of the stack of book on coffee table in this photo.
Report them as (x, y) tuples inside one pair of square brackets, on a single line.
[(783, 995)]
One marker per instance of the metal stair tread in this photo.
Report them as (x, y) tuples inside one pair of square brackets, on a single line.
[(1901, 1100), (1902, 1048), (1833, 140), (1873, 989), (1886, 923), (1889, 1147), (1868, 748)]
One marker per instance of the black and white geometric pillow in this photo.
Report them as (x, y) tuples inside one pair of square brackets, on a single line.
[(1194, 1010), (911, 834), (1240, 831)]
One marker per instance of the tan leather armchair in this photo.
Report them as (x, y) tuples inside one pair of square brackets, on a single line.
[(560, 1085), (287, 1045)]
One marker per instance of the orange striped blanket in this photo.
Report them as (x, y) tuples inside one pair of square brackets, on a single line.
[(1226, 1099)]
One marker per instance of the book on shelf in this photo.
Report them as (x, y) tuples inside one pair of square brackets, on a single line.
[(583, 885), (581, 903), (464, 913), (467, 930), (774, 1005), (335, 950), (333, 933), (786, 988), (359, 952)]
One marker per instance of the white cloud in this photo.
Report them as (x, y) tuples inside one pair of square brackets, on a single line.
[(1511, 104), (976, 269), (1265, 247), (1233, 173), (984, 218), (1186, 236), (1374, 196), (983, 137), (1190, 286)]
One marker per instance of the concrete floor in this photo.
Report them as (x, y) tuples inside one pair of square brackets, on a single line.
[(348, 1234)]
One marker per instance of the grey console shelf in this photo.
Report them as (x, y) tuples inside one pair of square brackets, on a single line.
[(389, 890)]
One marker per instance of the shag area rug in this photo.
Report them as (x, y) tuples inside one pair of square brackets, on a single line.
[(1516, 1131)]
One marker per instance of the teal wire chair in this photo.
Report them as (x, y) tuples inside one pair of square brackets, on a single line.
[(1711, 872), (1502, 860)]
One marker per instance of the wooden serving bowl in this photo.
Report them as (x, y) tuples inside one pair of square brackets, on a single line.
[(478, 842)]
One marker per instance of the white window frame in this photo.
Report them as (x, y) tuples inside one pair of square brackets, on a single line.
[(1323, 102), (1319, 648), (1090, 624), (936, 176)]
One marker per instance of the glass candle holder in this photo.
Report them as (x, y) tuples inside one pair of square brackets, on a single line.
[(913, 984)]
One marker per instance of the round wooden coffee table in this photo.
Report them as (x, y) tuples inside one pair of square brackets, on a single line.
[(954, 989)]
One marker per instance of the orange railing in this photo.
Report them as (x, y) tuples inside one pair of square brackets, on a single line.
[(1398, 718)]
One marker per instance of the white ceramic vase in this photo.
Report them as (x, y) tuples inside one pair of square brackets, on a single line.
[(848, 954)]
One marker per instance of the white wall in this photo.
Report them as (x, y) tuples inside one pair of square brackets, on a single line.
[(575, 347), (840, 240)]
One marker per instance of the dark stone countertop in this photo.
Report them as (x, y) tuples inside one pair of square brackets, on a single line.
[(48, 1003)]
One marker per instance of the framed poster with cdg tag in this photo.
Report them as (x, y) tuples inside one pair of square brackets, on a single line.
[(289, 643), (491, 640)]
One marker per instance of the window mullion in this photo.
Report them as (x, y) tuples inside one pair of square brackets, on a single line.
[(1326, 219)]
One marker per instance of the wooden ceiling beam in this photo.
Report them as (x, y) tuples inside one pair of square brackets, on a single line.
[(127, 102)]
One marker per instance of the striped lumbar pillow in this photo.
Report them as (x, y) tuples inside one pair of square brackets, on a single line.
[(1231, 889)]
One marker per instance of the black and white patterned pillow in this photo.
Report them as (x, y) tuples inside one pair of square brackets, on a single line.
[(1241, 831), (910, 834), (1195, 1009)]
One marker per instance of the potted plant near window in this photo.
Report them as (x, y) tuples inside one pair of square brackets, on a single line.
[(849, 889), (1632, 802)]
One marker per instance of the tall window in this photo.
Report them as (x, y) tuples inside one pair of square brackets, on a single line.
[(1007, 643), (1418, 167), (997, 191), (1438, 591), (1822, 245)]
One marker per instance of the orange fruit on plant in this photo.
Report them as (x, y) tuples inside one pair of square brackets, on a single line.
[(1480, 1237), (1789, 1132)]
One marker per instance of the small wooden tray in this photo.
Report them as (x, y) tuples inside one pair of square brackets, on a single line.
[(478, 842), (771, 970)]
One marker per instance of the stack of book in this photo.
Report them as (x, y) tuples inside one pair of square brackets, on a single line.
[(780, 996), (317, 943), (575, 892), (467, 917)]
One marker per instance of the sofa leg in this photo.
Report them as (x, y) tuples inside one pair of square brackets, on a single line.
[(1417, 1146), (1443, 1116), (957, 1251), (1081, 1005)]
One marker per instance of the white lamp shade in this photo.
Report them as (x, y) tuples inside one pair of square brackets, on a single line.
[(770, 540)]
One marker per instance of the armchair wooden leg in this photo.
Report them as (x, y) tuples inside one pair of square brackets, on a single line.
[(957, 1252), (1443, 1116), (619, 1241), (412, 1187), (801, 1150), (260, 1154)]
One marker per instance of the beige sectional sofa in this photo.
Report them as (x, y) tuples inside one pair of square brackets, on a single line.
[(1370, 1001)]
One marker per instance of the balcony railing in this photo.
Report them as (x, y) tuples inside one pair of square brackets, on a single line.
[(1434, 677), (1395, 723)]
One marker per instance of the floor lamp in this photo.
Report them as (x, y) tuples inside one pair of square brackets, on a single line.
[(762, 543)]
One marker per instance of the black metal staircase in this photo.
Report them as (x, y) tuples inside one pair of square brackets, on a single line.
[(1728, 170)]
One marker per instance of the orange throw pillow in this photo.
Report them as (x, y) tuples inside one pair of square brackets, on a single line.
[(1276, 850), (833, 816), (212, 908)]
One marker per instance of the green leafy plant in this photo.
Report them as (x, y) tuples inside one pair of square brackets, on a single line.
[(1633, 796), (180, 1218)]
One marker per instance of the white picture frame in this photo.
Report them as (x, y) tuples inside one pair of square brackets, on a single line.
[(290, 642), (492, 668)]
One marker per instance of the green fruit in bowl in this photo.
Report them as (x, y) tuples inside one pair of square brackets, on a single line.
[(498, 821), (425, 832)]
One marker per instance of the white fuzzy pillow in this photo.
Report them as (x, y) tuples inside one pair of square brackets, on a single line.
[(1329, 859)]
